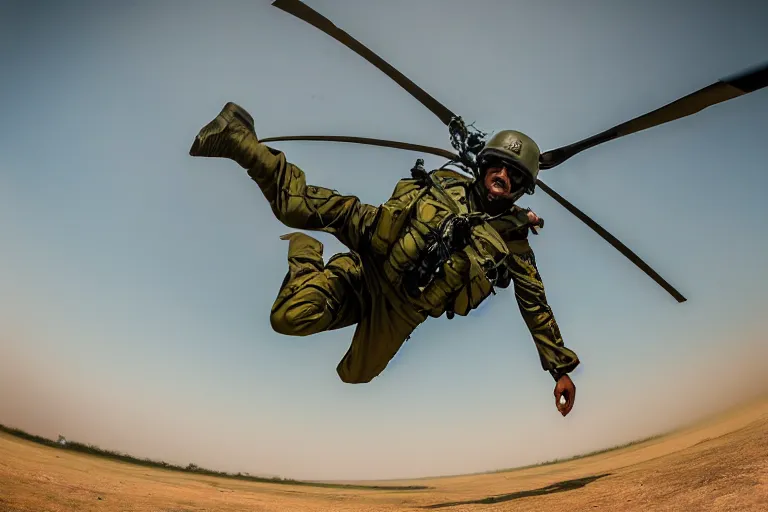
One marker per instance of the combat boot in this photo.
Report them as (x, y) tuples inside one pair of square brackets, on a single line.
[(305, 256), (230, 135), (303, 252)]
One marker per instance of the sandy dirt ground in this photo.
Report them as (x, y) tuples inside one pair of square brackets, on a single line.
[(721, 465)]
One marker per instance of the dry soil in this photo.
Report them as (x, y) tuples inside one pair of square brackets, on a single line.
[(718, 465)]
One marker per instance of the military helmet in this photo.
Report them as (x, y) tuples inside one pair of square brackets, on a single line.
[(515, 149)]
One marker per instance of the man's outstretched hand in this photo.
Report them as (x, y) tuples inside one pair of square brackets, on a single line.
[(565, 389)]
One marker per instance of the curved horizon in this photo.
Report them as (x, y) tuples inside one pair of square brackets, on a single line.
[(138, 280)]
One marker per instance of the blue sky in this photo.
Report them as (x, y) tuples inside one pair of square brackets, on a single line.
[(138, 280)]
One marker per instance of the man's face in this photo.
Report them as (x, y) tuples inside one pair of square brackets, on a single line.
[(502, 182)]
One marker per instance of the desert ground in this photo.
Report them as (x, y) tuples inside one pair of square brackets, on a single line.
[(720, 464)]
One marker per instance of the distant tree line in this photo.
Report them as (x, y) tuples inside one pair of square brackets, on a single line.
[(190, 468)]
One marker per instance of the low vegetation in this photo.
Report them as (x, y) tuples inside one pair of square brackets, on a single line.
[(583, 455), (193, 468), (190, 468)]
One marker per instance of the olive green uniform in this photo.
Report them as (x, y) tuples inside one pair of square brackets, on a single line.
[(361, 287), (370, 286)]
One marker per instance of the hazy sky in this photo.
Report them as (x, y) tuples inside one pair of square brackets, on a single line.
[(137, 281)]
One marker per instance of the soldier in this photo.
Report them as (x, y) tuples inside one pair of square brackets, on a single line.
[(439, 245)]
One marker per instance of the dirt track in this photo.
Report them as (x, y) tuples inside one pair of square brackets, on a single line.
[(719, 465)]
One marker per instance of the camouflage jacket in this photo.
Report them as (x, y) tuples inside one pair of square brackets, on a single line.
[(413, 225)]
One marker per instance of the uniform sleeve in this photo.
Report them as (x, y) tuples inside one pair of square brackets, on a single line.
[(532, 301)]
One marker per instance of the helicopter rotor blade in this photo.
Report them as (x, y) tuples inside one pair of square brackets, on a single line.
[(722, 90), (306, 13), (623, 249), (615, 242), (369, 142), (686, 106)]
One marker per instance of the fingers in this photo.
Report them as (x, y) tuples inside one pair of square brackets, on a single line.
[(568, 402), (563, 405), (561, 401), (570, 399), (569, 395)]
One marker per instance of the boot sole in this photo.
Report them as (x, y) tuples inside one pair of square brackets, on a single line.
[(310, 241), (241, 113), (231, 112)]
